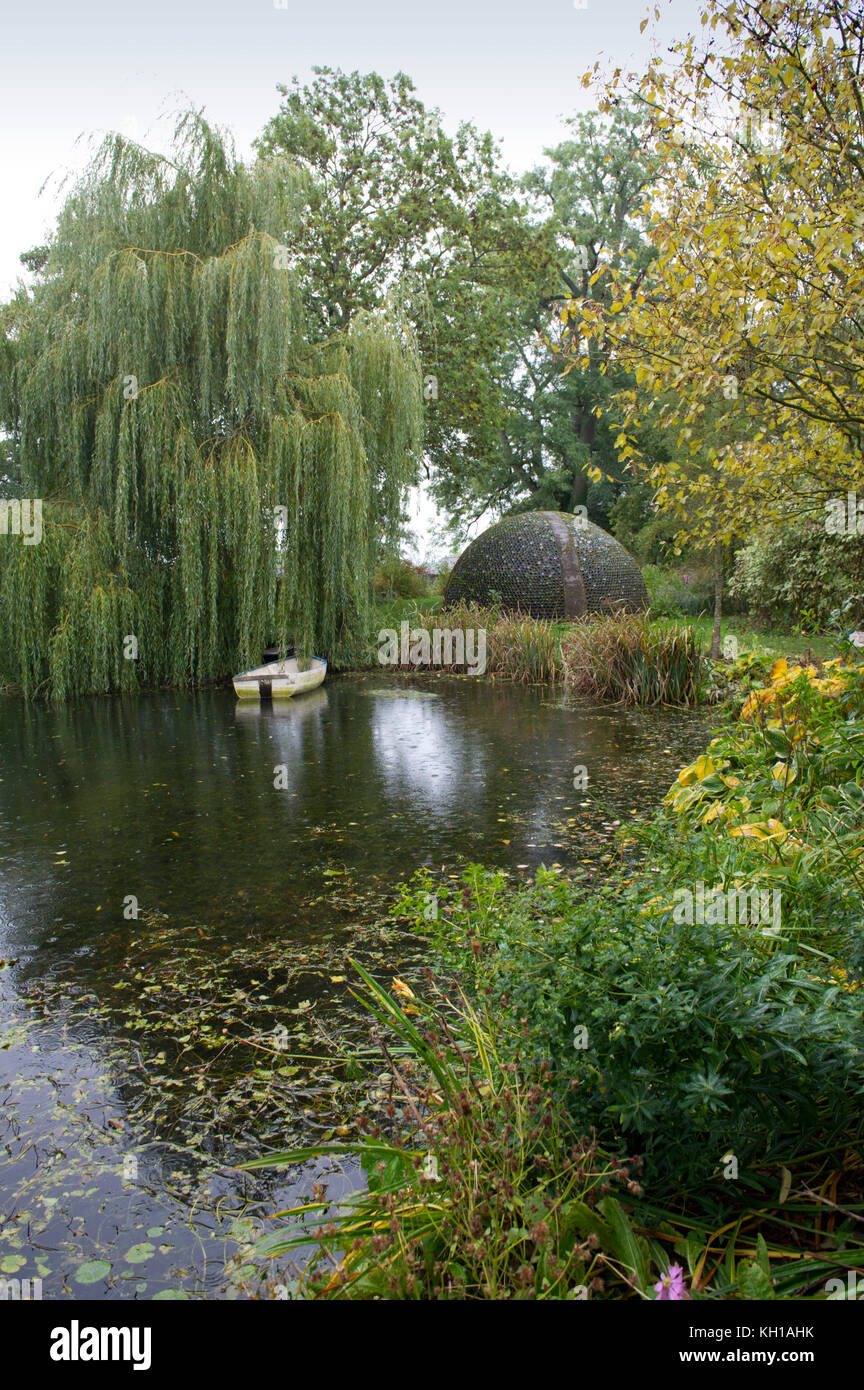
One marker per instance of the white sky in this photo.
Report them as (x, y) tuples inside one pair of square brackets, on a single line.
[(70, 69)]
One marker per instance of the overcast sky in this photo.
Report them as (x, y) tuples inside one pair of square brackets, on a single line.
[(70, 69)]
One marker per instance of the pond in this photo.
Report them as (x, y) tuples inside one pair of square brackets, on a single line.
[(182, 882)]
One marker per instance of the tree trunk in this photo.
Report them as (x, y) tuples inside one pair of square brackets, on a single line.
[(579, 491), (584, 427), (718, 600)]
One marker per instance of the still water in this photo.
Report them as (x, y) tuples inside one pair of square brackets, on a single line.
[(182, 883)]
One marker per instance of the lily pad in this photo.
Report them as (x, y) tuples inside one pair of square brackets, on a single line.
[(138, 1254), (92, 1272)]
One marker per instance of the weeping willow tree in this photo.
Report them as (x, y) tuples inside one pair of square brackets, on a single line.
[(213, 477)]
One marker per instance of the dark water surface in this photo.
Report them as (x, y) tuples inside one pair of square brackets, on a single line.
[(142, 1057)]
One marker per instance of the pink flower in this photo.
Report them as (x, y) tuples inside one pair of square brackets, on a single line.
[(671, 1285)]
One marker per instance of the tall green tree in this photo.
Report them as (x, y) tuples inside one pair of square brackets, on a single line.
[(214, 473), (755, 217), (551, 441), (403, 212)]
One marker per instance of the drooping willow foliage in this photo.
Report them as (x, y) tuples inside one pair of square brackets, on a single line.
[(213, 479)]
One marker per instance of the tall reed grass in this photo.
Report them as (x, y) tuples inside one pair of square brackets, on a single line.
[(625, 659), (621, 657), (518, 647)]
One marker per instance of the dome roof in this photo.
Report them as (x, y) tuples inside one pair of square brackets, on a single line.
[(548, 564)]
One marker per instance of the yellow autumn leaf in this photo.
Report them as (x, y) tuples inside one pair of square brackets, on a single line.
[(754, 831), (834, 685), (754, 702), (761, 830), (400, 987)]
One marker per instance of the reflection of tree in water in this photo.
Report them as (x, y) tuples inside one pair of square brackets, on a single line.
[(171, 799), (504, 752)]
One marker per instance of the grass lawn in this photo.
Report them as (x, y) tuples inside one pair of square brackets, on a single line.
[(786, 644)]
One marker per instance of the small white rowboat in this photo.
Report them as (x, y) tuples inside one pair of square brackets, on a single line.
[(279, 680)]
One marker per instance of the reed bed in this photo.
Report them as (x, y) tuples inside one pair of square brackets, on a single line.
[(620, 657), (624, 659), (518, 647)]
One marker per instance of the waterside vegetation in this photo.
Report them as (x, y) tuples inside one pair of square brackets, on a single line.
[(620, 1099)]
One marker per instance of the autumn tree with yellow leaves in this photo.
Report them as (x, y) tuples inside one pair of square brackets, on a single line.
[(746, 337)]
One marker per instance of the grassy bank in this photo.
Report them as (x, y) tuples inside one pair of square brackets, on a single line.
[(647, 1090), (771, 640)]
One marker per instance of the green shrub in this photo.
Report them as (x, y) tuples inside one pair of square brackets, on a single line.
[(441, 579), (687, 591), (664, 592), (646, 533), (398, 578), (795, 569), (700, 1040)]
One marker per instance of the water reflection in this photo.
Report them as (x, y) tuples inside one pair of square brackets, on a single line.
[(146, 1035)]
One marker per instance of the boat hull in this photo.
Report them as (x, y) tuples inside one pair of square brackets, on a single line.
[(279, 680)]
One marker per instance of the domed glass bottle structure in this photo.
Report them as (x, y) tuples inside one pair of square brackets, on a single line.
[(549, 565)]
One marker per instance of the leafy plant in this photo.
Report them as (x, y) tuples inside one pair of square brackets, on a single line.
[(683, 1041), (510, 1207), (793, 572), (396, 577), (782, 792)]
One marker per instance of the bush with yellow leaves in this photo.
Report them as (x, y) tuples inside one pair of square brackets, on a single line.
[(780, 795)]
